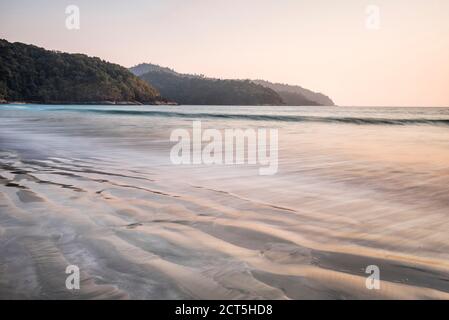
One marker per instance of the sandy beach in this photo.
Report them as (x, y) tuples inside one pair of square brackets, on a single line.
[(98, 191)]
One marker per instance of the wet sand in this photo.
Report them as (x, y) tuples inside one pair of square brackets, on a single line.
[(139, 228)]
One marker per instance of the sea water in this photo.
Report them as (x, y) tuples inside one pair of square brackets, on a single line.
[(94, 186)]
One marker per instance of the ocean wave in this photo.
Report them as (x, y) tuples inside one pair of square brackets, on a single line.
[(268, 117)]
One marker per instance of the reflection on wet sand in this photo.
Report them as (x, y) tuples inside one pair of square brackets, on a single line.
[(140, 228)]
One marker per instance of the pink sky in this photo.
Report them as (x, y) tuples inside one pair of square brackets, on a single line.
[(321, 45)]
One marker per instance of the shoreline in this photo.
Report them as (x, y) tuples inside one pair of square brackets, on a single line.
[(105, 103)]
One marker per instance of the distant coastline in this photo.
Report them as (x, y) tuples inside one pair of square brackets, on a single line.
[(106, 103), (34, 75), (194, 89)]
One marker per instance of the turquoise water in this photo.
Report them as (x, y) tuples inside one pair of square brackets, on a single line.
[(355, 115)]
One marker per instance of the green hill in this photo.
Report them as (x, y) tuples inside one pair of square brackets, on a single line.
[(32, 74), (198, 90), (296, 95)]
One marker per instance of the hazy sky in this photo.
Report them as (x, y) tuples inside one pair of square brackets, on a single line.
[(321, 45)]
